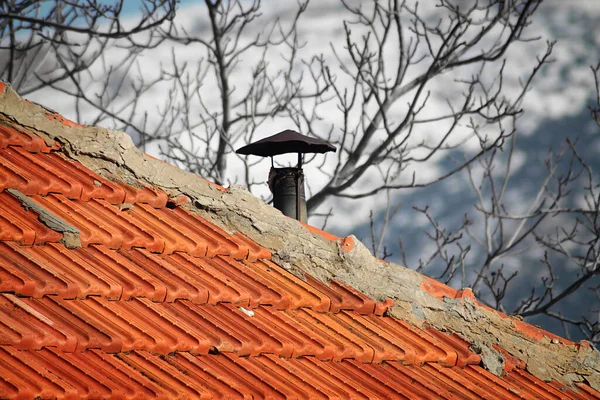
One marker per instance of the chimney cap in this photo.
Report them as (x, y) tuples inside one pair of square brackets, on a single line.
[(287, 141)]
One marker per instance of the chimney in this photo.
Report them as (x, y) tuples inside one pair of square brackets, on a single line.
[(287, 184)]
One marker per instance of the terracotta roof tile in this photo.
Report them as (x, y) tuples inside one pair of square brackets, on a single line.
[(202, 272), (28, 173), (155, 198), (204, 238), (159, 302), (464, 356), (141, 324), (25, 328), (101, 223), (93, 185), (48, 269), (298, 292), (582, 391), (22, 226), (255, 251), (344, 297), (43, 174), (9, 136), (52, 372)]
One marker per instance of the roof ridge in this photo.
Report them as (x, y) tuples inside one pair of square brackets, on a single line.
[(297, 249)]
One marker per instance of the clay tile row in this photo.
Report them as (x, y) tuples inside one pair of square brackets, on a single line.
[(310, 378), (57, 271), (51, 374), (98, 271), (77, 325), (142, 226), (375, 339), (9, 136), (145, 375), (344, 297), (43, 174)]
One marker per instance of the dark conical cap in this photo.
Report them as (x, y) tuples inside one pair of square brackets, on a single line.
[(284, 142)]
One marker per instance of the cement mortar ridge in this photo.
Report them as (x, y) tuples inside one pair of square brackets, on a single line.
[(113, 154)]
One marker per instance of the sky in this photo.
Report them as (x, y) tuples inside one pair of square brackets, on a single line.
[(555, 108)]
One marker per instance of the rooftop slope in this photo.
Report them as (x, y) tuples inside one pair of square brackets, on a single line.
[(123, 276)]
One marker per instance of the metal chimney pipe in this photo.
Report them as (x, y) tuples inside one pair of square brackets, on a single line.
[(287, 186)]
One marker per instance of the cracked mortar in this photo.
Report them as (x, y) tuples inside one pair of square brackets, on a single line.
[(71, 236), (112, 153)]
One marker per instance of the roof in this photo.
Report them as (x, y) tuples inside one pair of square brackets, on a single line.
[(122, 276)]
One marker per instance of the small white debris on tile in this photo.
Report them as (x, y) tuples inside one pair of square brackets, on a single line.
[(249, 313)]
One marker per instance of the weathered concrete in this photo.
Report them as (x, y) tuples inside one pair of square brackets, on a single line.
[(71, 235), (112, 154)]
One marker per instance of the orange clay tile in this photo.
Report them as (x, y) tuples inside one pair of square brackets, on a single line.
[(93, 185), (381, 307), (49, 270), (80, 273), (511, 386), (178, 201), (296, 341), (182, 234), (22, 226), (52, 173), (320, 232), (347, 243), (33, 174), (255, 251), (142, 194), (183, 326), (271, 371), (63, 120), (17, 177), (537, 333), (259, 292), (203, 274), (139, 226), (531, 386), (464, 355), (237, 246), (100, 223), (419, 346), (25, 328), (179, 284), (437, 289), (48, 373), (345, 297), (11, 137), (341, 297), (299, 293), (583, 391), (97, 270), (171, 376), (398, 378)]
